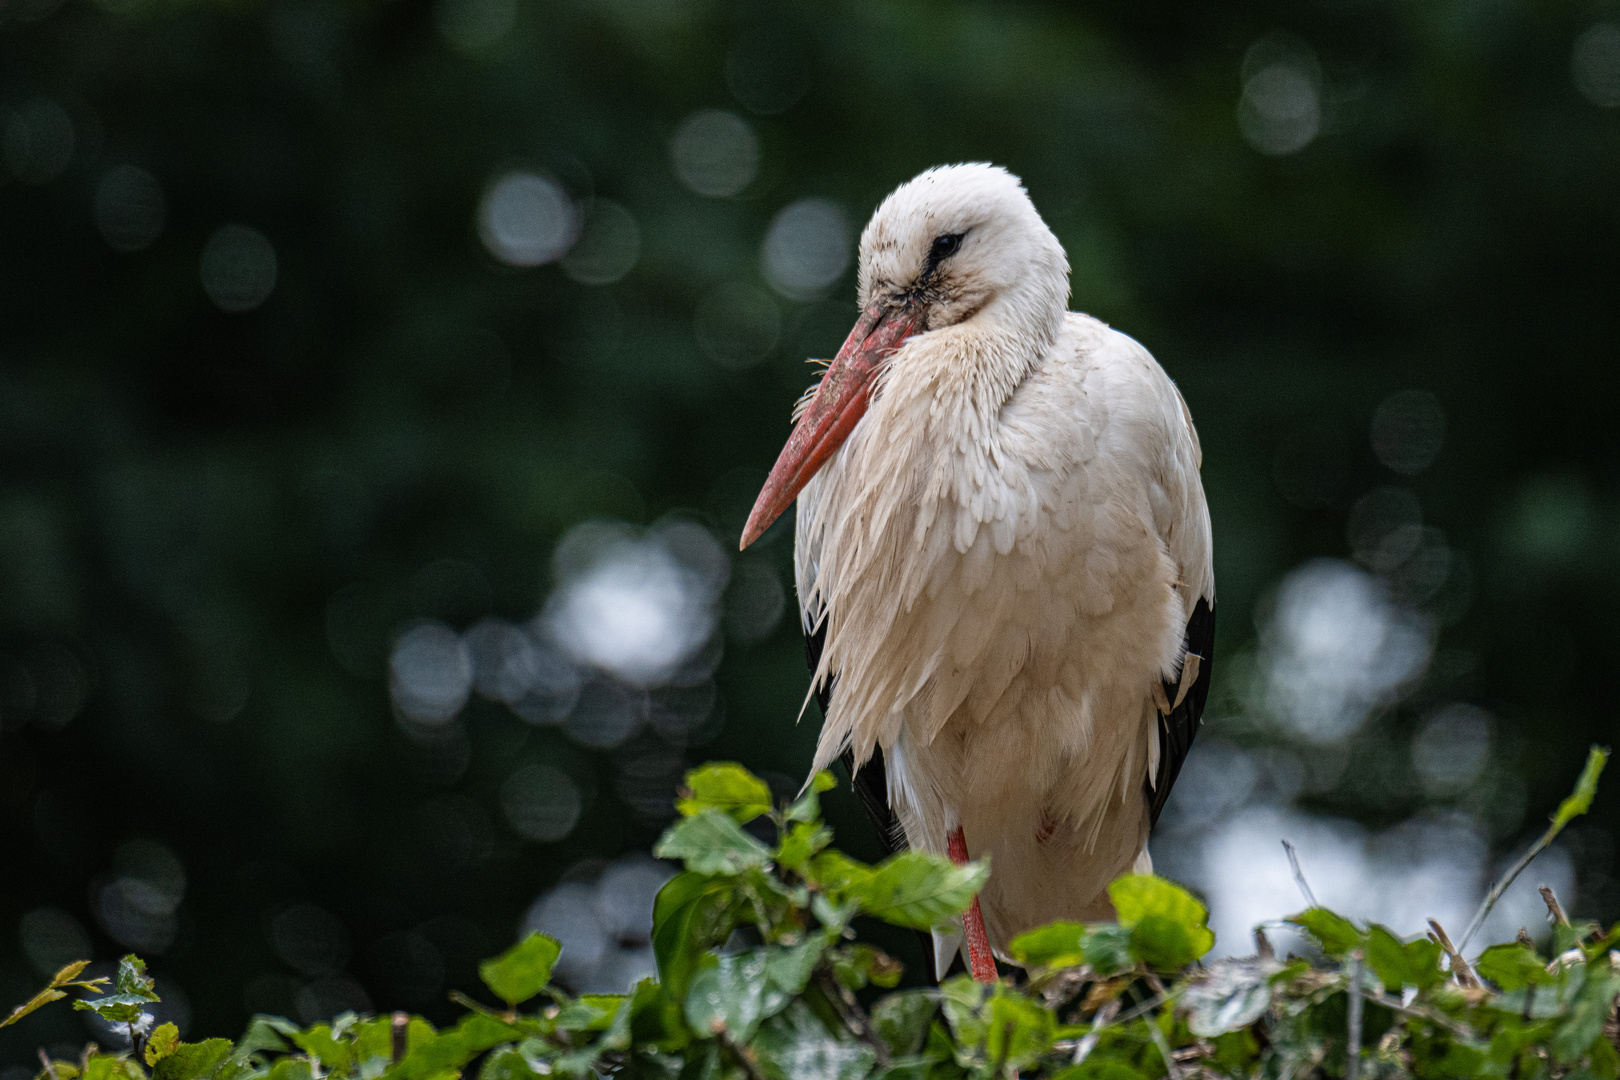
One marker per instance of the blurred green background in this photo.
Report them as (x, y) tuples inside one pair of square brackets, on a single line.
[(383, 387)]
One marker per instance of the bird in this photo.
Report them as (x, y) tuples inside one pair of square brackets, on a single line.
[(1003, 559)]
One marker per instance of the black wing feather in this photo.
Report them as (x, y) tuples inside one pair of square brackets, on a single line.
[(1177, 731), (871, 783)]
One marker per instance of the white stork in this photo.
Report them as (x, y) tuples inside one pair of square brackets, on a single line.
[(1003, 560)]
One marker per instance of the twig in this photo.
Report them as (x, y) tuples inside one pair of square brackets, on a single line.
[(1523, 938), (849, 1011), (50, 1068), (1088, 1042), (1352, 1061), (1507, 879), (401, 1026), (1459, 967), (1299, 875), (1262, 945), (1172, 1071), (1555, 910)]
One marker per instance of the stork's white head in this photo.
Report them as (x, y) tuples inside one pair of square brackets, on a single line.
[(965, 242), (959, 249)]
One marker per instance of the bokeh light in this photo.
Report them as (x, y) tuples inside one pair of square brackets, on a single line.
[(1594, 63), (1334, 647), (1280, 109), (608, 246), (541, 803), (737, 324), (238, 268), (807, 248), (130, 208), (472, 26), (38, 139), (431, 673), (715, 153), (638, 607), (1408, 430), (604, 923), (526, 219)]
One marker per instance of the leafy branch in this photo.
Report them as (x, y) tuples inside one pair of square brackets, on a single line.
[(1133, 999)]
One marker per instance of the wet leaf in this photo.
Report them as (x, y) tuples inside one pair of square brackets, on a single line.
[(1235, 994), (919, 889), (797, 1046), (728, 997), (712, 843), (901, 1020)]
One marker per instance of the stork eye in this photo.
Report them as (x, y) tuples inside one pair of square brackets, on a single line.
[(944, 247)]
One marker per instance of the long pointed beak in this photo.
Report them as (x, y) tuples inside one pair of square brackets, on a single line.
[(839, 403)]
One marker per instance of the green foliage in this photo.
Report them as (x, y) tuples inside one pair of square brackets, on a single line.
[(522, 971), (1125, 1000)]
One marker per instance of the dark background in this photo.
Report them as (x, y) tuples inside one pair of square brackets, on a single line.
[(227, 491)]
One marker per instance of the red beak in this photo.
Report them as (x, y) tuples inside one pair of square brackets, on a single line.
[(839, 403)]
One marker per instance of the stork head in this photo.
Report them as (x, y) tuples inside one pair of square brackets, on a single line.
[(959, 248)]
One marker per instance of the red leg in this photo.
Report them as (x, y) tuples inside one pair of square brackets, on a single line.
[(980, 960)]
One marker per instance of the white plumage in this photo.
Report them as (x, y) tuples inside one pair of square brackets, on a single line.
[(1004, 554)]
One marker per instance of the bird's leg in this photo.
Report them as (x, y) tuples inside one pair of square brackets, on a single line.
[(980, 960)]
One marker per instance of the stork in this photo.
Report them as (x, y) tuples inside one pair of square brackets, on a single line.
[(1003, 560)]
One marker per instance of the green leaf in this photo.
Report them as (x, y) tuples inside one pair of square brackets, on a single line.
[(1235, 994), (656, 1017), (44, 997), (193, 1061), (901, 1020), (859, 965), (1100, 1068), (1019, 1030), (807, 807), (693, 913), (132, 990), (1053, 945), (1336, 934), (788, 970), (919, 889), (163, 1041), (1169, 927), (1591, 1008), (1512, 966), (1398, 964), (836, 873), (712, 843), (1580, 800), (590, 1012), (803, 841), (727, 787), (507, 1063), (963, 1002), (522, 971), (727, 998), (431, 1055), (1107, 948), (797, 1046)]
